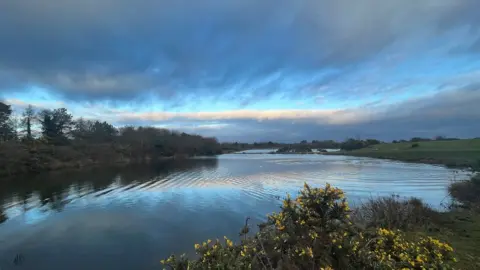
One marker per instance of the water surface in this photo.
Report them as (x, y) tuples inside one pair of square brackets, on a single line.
[(130, 218)]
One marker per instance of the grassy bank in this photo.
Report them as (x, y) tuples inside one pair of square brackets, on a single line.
[(460, 228), (457, 153)]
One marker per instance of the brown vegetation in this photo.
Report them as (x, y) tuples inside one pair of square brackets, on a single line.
[(467, 192), (394, 213), (64, 142)]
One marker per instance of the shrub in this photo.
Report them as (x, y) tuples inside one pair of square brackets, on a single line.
[(393, 213), (467, 191), (415, 145), (315, 231)]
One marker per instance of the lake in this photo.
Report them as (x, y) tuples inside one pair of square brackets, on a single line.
[(131, 217)]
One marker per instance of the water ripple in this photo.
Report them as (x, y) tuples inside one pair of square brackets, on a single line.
[(177, 203)]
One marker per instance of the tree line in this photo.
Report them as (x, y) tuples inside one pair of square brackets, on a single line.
[(53, 138)]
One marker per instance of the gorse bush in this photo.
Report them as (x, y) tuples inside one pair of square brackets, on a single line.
[(315, 231)]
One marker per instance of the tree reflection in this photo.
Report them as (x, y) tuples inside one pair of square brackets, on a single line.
[(3, 217), (54, 189)]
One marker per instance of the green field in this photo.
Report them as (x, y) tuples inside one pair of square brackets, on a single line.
[(458, 153), (462, 230)]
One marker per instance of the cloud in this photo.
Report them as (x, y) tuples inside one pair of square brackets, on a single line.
[(20, 104), (250, 70), (327, 116), (450, 113), (243, 51)]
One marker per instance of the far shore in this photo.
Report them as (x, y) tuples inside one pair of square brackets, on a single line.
[(462, 154)]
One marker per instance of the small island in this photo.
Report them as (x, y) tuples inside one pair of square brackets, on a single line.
[(295, 149)]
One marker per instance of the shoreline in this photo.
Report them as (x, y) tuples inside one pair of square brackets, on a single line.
[(85, 165), (449, 163)]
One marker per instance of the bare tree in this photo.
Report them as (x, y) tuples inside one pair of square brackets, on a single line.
[(28, 118)]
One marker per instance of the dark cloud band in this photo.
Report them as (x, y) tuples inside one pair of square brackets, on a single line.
[(105, 49)]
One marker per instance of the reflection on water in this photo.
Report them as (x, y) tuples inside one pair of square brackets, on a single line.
[(129, 218)]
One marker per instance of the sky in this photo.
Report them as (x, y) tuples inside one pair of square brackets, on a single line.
[(249, 70)]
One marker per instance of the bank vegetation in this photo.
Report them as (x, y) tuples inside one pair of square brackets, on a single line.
[(52, 139)]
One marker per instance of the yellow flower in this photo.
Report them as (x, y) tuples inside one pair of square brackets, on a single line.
[(162, 261), (310, 252), (209, 241), (197, 246)]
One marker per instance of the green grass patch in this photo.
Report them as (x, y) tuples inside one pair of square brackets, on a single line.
[(461, 229), (458, 153)]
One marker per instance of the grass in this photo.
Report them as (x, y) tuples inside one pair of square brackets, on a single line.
[(461, 229), (458, 153)]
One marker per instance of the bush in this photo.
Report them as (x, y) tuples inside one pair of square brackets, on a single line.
[(415, 145), (315, 231), (394, 213), (467, 192)]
